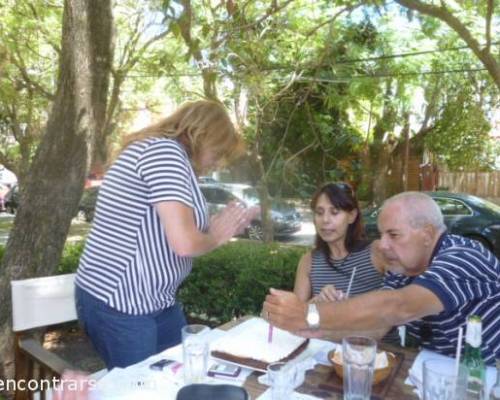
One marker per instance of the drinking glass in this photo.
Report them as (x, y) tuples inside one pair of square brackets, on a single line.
[(195, 353), (440, 381), (281, 379), (358, 355)]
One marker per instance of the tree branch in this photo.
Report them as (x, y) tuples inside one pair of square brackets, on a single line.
[(332, 19), (19, 63), (489, 15), (442, 13)]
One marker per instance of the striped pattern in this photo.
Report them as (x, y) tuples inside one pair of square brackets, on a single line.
[(127, 262), (466, 278), (338, 273)]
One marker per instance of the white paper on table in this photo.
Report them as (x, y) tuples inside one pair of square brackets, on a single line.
[(448, 364), (295, 396), (321, 348), (139, 382), (135, 384)]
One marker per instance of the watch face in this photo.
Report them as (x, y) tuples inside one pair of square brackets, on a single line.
[(313, 319), (312, 316)]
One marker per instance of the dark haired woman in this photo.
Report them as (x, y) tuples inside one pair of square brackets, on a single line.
[(342, 260)]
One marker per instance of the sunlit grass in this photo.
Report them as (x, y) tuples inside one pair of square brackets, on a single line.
[(77, 232)]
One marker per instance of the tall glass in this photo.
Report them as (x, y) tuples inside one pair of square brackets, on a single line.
[(440, 381), (358, 355), (195, 353)]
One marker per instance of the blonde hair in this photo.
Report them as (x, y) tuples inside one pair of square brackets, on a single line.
[(202, 125)]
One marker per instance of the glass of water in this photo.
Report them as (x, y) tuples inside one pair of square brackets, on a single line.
[(440, 381), (358, 363), (195, 353)]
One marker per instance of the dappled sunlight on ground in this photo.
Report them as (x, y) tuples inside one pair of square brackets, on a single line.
[(78, 231)]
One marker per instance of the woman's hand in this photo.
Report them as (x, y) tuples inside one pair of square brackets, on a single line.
[(231, 221), (329, 293)]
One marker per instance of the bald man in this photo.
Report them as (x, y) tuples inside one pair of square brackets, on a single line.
[(440, 280)]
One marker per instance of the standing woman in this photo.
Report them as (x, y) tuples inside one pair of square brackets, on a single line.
[(340, 252), (151, 219)]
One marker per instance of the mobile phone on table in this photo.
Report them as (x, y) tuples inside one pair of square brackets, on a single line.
[(224, 370), (160, 364)]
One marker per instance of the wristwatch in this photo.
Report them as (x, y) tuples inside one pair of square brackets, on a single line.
[(312, 317)]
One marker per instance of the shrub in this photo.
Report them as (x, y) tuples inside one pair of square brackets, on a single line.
[(229, 282), (233, 280), (70, 258)]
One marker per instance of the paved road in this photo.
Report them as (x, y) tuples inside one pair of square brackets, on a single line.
[(78, 230)]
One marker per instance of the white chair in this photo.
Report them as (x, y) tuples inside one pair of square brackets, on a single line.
[(36, 303)]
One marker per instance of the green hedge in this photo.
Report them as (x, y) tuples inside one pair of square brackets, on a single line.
[(234, 279), (226, 283)]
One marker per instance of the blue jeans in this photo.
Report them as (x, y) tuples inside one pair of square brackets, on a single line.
[(122, 339)]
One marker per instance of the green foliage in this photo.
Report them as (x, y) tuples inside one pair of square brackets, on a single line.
[(229, 282), (70, 258), (461, 137), (233, 280)]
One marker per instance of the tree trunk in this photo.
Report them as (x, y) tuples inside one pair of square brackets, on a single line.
[(379, 151), (406, 156), (55, 180)]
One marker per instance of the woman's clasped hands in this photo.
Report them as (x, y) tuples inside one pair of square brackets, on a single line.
[(232, 220)]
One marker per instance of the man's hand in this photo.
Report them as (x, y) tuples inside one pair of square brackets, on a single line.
[(285, 310)]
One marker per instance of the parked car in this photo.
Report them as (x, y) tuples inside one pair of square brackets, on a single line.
[(86, 206), (4, 190), (11, 199), (286, 219), (207, 179), (463, 214)]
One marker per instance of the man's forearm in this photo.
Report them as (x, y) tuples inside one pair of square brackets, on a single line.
[(374, 311), (337, 336)]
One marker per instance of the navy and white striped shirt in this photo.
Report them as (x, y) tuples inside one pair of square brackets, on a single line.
[(466, 278), (127, 262), (339, 272)]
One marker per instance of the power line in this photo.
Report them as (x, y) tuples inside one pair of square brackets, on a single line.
[(344, 79), (403, 55), (337, 80)]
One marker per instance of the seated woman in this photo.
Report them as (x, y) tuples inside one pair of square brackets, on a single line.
[(342, 259)]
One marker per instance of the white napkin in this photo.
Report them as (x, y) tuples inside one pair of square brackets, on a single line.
[(321, 348), (295, 396), (448, 363)]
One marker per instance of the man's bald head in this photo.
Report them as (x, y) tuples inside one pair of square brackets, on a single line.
[(419, 209)]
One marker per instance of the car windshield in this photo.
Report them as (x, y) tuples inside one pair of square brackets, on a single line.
[(484, 204), (251, 196)]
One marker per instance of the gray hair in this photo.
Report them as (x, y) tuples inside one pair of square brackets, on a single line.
[(420, 208)]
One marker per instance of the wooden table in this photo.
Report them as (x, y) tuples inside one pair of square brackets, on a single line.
[(321, 373)]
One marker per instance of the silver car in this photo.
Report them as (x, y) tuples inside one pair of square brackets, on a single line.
[(286, 219)]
